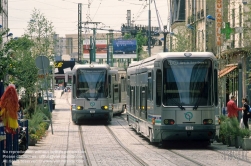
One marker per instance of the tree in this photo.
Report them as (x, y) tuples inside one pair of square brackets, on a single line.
[(41, 31), (23, 71), (5, 62), (180, 42), (141, 40)]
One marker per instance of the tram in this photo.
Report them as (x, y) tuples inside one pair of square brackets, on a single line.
[(174, 96), (97, 92)]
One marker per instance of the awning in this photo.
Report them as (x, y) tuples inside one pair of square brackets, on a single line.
[(226, 70)]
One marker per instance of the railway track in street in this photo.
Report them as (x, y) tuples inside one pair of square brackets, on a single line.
[(103, 145)]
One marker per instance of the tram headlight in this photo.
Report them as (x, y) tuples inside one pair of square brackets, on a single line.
[(169, 121), (105, 107), (207, 121), (79, 107)]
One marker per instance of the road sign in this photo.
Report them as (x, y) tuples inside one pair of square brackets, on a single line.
[(42, 62)]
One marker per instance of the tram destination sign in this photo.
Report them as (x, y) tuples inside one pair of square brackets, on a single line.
[(186, 62)]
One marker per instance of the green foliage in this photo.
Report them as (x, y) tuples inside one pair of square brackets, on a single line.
[(45, 111), (40, 30), (141, 40), (245, 133), (24, 71), (180, 42)]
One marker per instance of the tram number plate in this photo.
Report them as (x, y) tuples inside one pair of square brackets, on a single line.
[(92, 111), (189, 127)]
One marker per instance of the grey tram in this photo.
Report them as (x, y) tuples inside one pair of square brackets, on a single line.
[(96, 92), (174, 96)]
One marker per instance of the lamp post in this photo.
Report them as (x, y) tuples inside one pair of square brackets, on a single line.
[(165, 32)]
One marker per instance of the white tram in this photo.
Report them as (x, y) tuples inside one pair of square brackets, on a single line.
[(174, 96), (98, 92)]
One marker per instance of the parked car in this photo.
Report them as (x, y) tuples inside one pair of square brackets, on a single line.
[(50, 97)]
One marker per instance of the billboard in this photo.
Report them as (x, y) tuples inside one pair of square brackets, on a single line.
[(101, 49), (62, 66), (124, 48)]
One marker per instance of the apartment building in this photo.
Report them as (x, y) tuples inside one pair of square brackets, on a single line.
[(221, 27)]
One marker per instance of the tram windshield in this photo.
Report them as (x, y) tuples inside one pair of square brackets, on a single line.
[(91, 83), (187, 82)]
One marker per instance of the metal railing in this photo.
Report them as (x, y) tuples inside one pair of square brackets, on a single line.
[(9, 147)]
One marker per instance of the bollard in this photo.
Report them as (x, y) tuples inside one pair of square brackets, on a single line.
[(15, 148), (7, 152), (2, 138)]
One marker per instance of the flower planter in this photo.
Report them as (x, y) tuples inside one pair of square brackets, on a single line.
[(246, 145), (32, 142), (238, 141), (231, 140)]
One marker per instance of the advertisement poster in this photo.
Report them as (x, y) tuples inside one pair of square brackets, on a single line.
[(101, 49), (124, 48)]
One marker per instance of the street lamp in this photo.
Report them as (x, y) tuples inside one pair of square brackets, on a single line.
[(165, 32)]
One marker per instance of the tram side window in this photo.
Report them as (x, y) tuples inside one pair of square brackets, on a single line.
[(128, 86), (158, 87), (150, 89), (216, 87)]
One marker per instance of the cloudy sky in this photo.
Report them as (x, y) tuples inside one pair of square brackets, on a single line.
[(64, 13)]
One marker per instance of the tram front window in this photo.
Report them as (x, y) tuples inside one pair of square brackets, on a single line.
[(187, 82), (91, 83)]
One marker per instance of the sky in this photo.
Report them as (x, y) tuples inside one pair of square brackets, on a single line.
[(64, 13)]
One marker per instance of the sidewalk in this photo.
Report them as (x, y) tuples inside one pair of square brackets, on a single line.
[(60, 148)]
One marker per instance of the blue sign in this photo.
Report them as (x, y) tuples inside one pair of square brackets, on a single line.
[(188, 115), (124, 48)]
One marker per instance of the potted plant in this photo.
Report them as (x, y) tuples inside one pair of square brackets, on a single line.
[(233, 130), (246, 144), (223, 131), (32, 139)]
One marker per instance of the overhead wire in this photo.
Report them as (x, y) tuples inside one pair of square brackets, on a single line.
[(97, 10)]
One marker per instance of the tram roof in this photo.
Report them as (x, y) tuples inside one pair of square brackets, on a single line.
[(164, 55)]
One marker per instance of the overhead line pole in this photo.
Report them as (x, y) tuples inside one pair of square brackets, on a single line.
[(149, 29), (80, 45)]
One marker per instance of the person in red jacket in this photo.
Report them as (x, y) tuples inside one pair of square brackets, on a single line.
[(232, 108)]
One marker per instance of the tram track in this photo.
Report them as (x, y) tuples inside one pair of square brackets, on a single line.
[(81, 140), (172, 151), (140, 161), (224, 154), (138, 158), (87, 161)]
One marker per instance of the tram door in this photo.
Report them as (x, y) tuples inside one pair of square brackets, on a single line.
[(132, 100), (143, 103), (115, 93)]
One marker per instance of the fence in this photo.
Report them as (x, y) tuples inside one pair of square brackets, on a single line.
[(9, 150)]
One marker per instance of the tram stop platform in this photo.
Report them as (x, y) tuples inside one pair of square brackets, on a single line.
[(62, 147)]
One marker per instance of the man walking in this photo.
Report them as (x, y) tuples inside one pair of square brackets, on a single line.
[(232, 108)]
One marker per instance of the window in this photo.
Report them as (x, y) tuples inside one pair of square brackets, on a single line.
[(150, 89), (215, 87), (158, 87)]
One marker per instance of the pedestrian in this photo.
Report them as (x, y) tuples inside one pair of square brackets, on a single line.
[(245, 112), (232, 108), (39, 99), (20, 110), (9, 109)]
